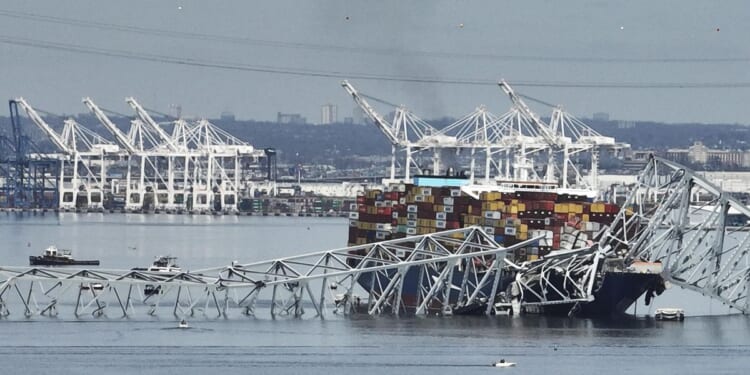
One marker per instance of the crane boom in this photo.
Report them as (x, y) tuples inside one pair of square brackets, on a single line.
[(545, 131), (53, 136), (146, 118), (119, 136), (381, 123)]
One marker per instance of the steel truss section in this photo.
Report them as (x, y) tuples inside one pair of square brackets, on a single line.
[(566, 278), (456, 268), (699, 233)]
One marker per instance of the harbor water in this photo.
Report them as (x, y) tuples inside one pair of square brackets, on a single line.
[(362, 345)]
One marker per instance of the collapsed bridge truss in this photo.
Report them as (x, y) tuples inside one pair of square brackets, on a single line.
[(324, 281), (699, 233)]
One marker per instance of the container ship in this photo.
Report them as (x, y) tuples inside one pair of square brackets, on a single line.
[(562, 221)]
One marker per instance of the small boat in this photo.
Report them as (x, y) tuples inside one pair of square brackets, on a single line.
[(53, 256), (183, 324), (503, 363), (163, 264), (670, 313)]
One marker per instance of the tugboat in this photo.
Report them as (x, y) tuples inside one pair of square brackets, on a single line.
[(53, 256)]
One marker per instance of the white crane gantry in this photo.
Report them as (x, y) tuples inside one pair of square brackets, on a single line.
[(51, 133), (146, 118), (120, 137), (82, 150)]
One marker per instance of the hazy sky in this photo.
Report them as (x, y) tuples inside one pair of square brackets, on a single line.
[(123, 48)]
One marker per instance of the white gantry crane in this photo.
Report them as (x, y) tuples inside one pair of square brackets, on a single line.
[(520, 137), (198, 167), (407, 132), (83, 161), (566, 135)]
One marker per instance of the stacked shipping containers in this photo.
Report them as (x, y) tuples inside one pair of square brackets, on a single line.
[(562, 221)]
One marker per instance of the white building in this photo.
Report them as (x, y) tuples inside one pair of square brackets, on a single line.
[(328, 114)]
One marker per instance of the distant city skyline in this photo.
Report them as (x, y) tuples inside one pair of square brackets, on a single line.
[(668, 61)]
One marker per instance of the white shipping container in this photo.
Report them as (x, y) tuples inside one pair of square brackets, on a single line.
[(411, 208), (383, 226), (455, 192), (411, 231), (402, 200), (426, 191), (448, 209), (489, 230), (411, 216), (401, 253), (382, 235), (353, 223), (440, 224), (440, 215), (394, 214), (419, 198), (352, 207), (379, 204), (547, 221), (354, 215), (448, 201), (492, 215), (411, 223), (510, 231)]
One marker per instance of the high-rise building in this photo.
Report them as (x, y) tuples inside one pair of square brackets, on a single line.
[(328, 114)]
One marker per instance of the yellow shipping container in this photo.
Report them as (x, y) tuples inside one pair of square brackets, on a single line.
[(522, 236), (490, 196), (533, 257), (561, 208), (523, 228), (575, 208), (597, 207), (513, 209), (521, 206), (586, 217)]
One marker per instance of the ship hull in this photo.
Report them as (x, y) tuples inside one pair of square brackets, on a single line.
[(617, 292), (615, 295)]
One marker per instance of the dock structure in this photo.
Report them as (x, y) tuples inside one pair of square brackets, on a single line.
[(197, 167)]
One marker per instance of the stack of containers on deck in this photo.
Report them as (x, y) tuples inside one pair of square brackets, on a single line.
[(561, 221), (373, 217), (429, 210)]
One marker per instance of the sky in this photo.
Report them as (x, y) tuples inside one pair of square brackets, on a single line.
[(438, 58)]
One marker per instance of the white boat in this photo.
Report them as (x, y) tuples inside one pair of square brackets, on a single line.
[(166, 264), (183, 324), (503, 363), (669, 313)]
